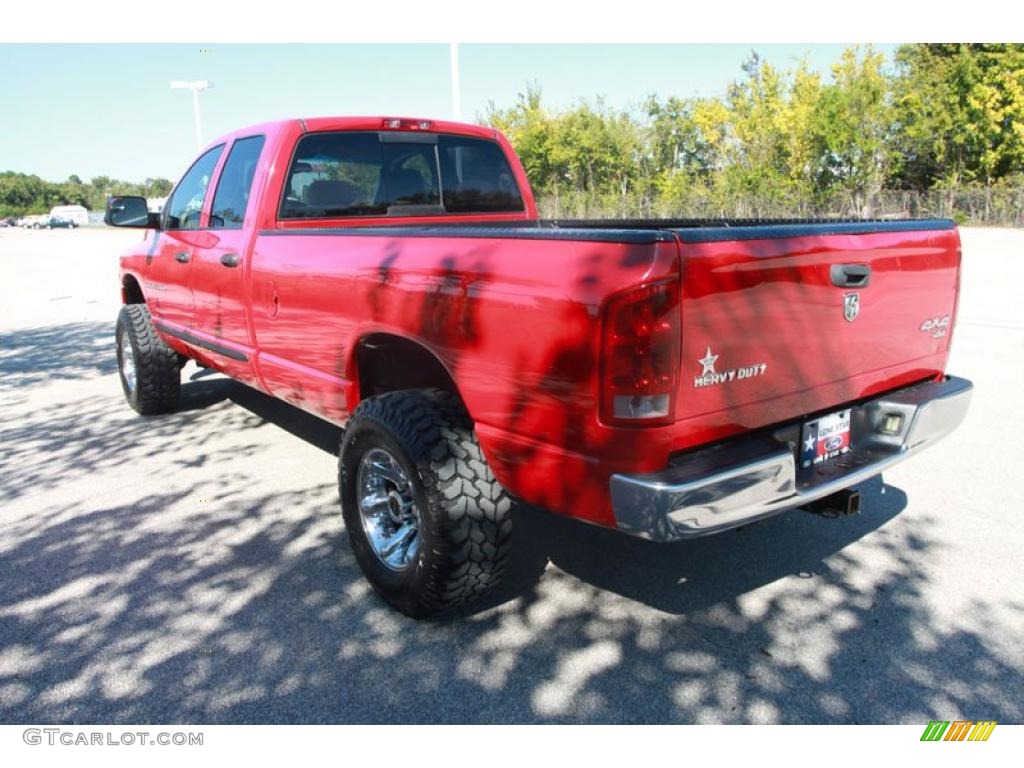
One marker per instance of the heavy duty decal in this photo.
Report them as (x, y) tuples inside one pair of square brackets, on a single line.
[(709, 376)]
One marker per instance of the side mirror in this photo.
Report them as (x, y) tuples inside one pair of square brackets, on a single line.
[(130, 211)]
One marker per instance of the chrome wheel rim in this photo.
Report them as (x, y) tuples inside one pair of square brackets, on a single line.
[(128, 363), (387, 506)]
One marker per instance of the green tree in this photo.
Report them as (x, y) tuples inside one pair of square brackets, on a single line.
[(22, 194), (803, 146), (599, 151), (852, 123), (587, 152), (687, 135), (157, 187), (757, 168), (959, 113), (531, 131)]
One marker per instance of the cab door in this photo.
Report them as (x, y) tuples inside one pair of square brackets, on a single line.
[(168, 274), (221, 267)]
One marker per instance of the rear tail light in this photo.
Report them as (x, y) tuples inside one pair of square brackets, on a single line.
[(640, 355)]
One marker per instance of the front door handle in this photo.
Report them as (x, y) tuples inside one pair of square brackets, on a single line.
[(851, 275), (229, 259), (181, 257)]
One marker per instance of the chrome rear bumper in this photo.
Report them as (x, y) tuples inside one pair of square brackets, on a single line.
[(737, 482)]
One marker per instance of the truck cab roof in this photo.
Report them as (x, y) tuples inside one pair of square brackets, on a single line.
[(361, 123)]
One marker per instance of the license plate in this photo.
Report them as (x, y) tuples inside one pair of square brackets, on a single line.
[(825, 438)]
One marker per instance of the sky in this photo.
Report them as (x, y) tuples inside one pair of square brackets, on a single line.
[(109, 110)]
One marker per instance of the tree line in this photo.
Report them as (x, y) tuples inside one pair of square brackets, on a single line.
[(938, 130), (22, 194)]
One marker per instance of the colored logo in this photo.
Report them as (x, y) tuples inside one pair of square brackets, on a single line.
[(825, 438), (958, 730)]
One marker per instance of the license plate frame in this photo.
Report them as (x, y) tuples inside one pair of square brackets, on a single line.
[(825, 439)]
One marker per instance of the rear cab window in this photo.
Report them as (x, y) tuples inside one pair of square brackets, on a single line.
[(476, 177), (395, 174)]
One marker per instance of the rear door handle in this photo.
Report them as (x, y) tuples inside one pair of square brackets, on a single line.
[(851, 275), (229, 259), (181, 257)]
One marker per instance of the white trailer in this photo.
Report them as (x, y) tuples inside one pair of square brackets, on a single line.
[(75, 213)]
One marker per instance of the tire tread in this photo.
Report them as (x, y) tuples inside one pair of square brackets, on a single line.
[(157, 369), (469, 507)]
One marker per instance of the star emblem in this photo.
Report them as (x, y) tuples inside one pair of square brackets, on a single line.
[(708, 361), (809, 443)]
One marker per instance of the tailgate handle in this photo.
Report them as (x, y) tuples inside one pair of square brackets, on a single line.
[(851, 275)]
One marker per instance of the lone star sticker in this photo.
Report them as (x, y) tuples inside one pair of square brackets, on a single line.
[(809, 445), (708, 362)]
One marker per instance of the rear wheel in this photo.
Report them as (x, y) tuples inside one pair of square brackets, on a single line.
[(428, 522), (147, 366)]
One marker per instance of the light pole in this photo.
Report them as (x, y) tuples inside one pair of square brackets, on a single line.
[(195, 86), (453, 50)]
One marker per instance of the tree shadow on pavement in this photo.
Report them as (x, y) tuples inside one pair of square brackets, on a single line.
[(30, 356), (201, 593)]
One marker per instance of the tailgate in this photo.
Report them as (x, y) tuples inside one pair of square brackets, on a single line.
[(781, 321)]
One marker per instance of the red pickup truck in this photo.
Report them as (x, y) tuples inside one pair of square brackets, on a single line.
[(668, 378)]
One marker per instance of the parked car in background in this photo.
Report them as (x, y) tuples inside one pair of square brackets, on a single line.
[(10, 221), (59, 222), (36, 221)]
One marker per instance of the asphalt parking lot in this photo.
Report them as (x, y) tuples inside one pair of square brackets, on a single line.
[(194, 567)]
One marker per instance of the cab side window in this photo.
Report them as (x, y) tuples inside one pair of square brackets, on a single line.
[(235, 183), (183, 209)]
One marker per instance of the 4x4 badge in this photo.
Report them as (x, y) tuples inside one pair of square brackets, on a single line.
[(851, 306)]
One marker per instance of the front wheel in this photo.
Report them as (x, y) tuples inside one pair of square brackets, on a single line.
[(148, 367), (429, 524)]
